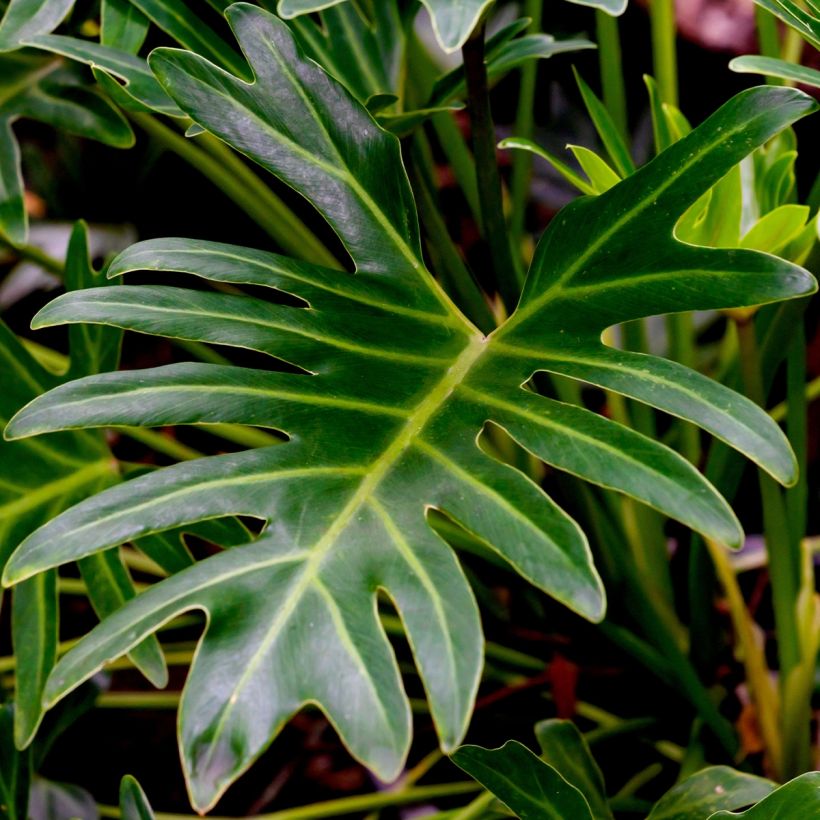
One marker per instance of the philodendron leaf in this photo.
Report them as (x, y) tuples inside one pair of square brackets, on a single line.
[(383, 420), (708, 791), (38, 480), (28, 18), (614, 8), (41, 88), (799, 798), (530, 788), (564, 748), (134, 804), (452, 22)]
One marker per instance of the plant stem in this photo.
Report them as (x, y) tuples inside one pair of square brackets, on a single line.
[(768, 41), (784, 559), (138, 700), (811, 393), (230, 174), (487, 176), (612, 76), (662, 21), (763, 693), (341, 807), (160, 443), (522, 160), (680, 326), (31, 253), (475, 810)]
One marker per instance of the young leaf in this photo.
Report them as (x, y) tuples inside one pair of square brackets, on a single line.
[(383, 419), (712, 789), (606, 128), (530, 788)]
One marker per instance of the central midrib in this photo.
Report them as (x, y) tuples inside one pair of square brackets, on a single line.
[(379, 469)]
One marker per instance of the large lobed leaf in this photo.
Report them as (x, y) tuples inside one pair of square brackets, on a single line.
[(385, 416)]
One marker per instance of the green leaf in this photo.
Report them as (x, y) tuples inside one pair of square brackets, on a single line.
[(614, 8), (177, 20), (366, 56), (598, 172), (773, 67), (606, 128), (454, 22), (57, 473), (35, 620), (25, 19), (15, 769), (530, 788), (564, 748), (805, 20), (123, 25), (776, 229), (133, 802), (139, 83), (571, 176), (714, 788), (394, 387), (797, 798), (42, 88), (503, 54), (293, 8)]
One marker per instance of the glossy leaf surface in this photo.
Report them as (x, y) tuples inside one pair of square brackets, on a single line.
[(59, 470), (383, 420)]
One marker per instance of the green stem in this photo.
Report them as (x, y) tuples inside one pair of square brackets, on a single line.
[(811, 393), (638, 781), (784, 564), (341, 807), (760, 686), (138, 700), (612, 75), (475, 810), (160, 443), (664, 49), (768, 40), (34, 254), (487, 175), (459, 158), (233, 177), (522, 160)]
